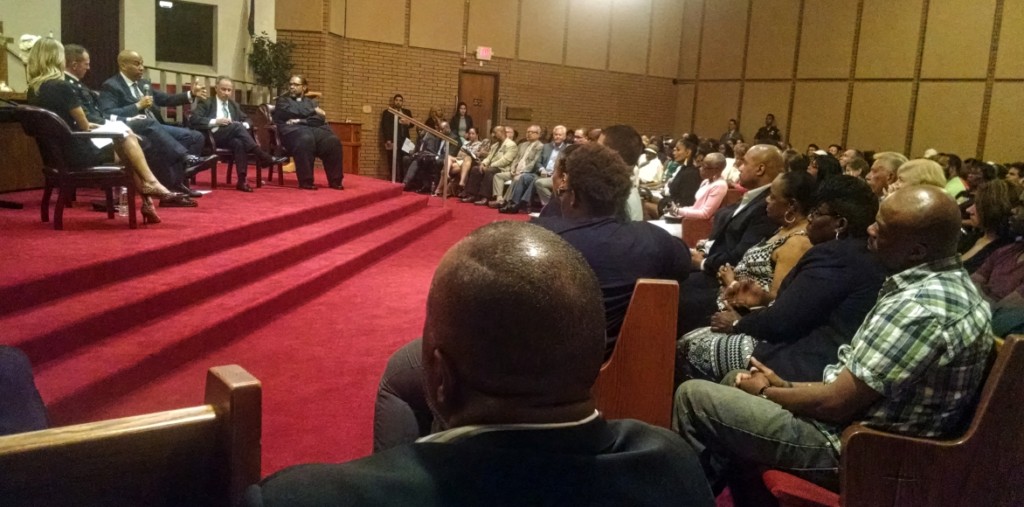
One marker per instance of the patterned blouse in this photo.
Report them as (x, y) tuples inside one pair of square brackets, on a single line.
[(757, 263)]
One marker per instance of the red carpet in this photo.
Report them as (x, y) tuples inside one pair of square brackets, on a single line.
[(309, 291)]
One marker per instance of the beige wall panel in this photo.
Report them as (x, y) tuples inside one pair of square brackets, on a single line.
[(692, 11), (1005, 123), (631, 34), (305, 15), (772, 42), (1010, 62), (959, 38), (493, 23), (336, 20), (542, 30), (947, 117), (818, 110), (436, 24), (759, 99), (589, 21), (721, 52), (878, 118), (826, 40), (376, 20), (666, 38), (889, 38), (684, 109), (716, 103)]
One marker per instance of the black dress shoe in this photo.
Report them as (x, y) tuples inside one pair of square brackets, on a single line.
[(339, 186), (193, 160), (308, 187), (185, 190), (510, 209), (468, 198), (244, 187), (180, 201)]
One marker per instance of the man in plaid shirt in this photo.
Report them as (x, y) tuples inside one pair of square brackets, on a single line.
[(914, 367)]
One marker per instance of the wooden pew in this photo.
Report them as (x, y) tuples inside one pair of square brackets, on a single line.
[(984, 466), (204, 455), (636, 381)]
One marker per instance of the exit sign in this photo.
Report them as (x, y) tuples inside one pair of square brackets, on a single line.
[(483, 53)]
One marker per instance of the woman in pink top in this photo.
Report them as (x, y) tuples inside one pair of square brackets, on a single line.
[(711, 192)]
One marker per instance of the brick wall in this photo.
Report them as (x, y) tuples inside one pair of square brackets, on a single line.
[(353, 73)]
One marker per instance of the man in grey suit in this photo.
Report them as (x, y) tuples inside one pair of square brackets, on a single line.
[(525, 162), (539, 179)]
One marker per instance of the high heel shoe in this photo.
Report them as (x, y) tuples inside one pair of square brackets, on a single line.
[(149, 215), (157, 190)]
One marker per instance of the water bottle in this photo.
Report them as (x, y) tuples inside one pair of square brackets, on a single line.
[(122, 201)]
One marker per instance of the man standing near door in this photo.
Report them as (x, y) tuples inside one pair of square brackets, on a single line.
[(387, 132)]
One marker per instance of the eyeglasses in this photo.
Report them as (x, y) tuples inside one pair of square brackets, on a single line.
[(816, 212)]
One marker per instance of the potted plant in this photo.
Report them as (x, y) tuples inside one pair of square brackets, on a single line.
[(271, 61)]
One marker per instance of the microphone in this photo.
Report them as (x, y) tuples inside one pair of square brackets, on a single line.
[(145, 89)]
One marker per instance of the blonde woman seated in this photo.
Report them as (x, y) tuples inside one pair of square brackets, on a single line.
[(919, 171), (710, 194), (48, 90)]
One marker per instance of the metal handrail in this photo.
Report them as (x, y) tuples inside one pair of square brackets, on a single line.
[(444, 137)]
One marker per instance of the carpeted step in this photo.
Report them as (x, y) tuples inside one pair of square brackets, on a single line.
[(129, 359), (97, 257), (47, 332)]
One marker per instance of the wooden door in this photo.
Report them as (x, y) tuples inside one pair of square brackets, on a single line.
[(479, 90)]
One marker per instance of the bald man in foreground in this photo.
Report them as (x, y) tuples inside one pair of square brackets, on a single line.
[(914, 367), (515, 392)]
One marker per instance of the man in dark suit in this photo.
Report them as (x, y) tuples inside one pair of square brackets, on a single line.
[(736, 228), (306, 135), (428, 161), (230, 127), (163, 153), (387, 133), (129, 96), (516, 393)]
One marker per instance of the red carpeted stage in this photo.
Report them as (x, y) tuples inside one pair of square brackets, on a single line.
[(309, 291)]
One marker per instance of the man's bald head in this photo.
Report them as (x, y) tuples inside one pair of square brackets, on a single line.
[(761, 164), (515, 324), (130, 64), (915, 224)]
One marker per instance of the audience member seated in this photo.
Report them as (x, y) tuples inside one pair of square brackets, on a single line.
[(230, 127), (990, 218), (427, 161), (883, 171), (796, 161), (824, 167), (849, 156), (736, 228), (682, 180), (915, 367), (731, 174), (858, 168), (710, 194), (1014, 172), (919, 171), (1000, 279), (527, 154), (129, 95), (649, 168), (21, 407), (592, 185), (166, 157), (767, 263), (306, 135), (472, 152), (546, 166), (579, 136), (49, 90), (480, 182), (956, 183), (820, 303), (512, 345), (627, 142)]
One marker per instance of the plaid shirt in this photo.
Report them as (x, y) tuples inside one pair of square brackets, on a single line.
[(923, 347)]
